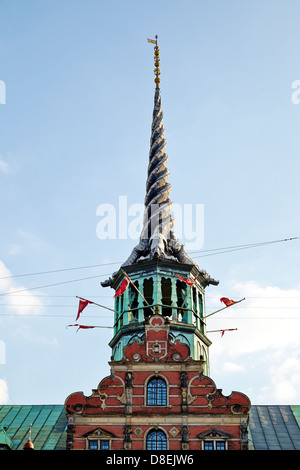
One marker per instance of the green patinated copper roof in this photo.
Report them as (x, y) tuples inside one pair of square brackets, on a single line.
[(5, 441), (48, 430)]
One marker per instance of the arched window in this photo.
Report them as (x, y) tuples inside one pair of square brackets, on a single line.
[(148, 295), (133, 299), (156, 440), (157, 392), (166, 292)]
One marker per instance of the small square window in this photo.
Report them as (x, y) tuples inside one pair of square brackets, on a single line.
[(208, 445), (214, 445), (104, 445), (220, 445), (93, 445)]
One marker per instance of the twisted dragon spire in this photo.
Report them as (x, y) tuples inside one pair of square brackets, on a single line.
[(157, 240), (158, 205), (157, 216)]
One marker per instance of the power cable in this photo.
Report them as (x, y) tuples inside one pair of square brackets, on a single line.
[(51, 285), (242, 247), (60, 270), (215, 250)]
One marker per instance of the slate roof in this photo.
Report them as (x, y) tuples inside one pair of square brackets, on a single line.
[(274, 427)]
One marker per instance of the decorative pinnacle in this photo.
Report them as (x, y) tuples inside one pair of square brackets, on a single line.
[(156, 61)]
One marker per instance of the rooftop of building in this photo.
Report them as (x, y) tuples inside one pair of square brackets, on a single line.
[(48, 430), (271, 427)]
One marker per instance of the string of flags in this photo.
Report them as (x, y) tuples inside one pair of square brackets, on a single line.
[(83, 303), (227, 302)]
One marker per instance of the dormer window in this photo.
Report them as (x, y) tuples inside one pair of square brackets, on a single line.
[(98, 439), (214, 439), (214, 445), (99, 444)]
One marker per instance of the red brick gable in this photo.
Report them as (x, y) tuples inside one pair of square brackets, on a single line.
[(188, 388), (157, 345), (194, 409)]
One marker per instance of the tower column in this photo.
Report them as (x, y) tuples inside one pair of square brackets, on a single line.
[(141, 305), (174, 300), (157, 294)]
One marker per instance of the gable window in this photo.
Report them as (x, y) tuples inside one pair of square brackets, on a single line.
[(157, 392), (98, 444), (220, 445), (93, 445), (214, 445), (104, 445), (156, 440), (214, 439), (98, 439)]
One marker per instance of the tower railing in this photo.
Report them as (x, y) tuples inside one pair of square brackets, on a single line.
[(178, 315)]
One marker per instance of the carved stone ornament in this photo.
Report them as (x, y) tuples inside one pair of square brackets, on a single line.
[(174, 431), (136, 357), (103, 398), (157, 349), (98, 433), (214, 433), (138, 431)]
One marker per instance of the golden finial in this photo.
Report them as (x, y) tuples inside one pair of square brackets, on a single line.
[(156, 61)]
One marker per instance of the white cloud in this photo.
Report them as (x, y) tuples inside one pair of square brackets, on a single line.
[(266, 344), (21, 303), (285, 378), (269, 317), (233, 367), (4, 168), (2, 352), (4, 397)]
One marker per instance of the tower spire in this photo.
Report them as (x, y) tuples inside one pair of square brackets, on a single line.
[(157, 240), (158, 220)]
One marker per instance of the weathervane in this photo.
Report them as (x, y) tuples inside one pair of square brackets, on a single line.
[(156, 61)]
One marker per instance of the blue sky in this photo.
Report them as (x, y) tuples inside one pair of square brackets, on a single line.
[(74, 134)]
